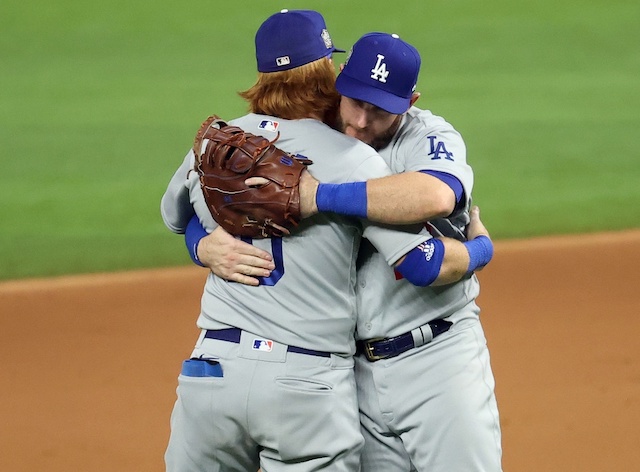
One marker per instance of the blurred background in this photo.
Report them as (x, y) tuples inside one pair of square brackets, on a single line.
[(99, 103)]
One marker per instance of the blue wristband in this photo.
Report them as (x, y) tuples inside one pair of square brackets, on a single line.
[(192, 236), (480, 251), (348, 199), (422, 264)]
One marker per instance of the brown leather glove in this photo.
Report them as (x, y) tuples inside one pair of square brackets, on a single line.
[(225, 156)]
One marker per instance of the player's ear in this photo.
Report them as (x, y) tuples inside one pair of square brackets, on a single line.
[(341, 66), (414, 97)]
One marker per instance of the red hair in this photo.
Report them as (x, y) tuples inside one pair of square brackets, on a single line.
[(302, 92)]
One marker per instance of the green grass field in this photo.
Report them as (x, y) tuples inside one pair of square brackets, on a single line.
[(100, 101)]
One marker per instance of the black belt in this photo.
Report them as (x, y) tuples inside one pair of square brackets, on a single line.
[(376, 349), (232, 335)]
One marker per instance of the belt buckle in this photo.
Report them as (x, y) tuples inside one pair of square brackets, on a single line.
[(368, 350)]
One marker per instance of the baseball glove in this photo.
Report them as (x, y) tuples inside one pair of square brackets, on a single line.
[(225, 156)]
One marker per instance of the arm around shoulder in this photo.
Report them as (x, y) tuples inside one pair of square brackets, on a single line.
[(406, 198)]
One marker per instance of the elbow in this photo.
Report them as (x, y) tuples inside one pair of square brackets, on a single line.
[(434, 205), (172, 224), (443, 204), (174, 219)]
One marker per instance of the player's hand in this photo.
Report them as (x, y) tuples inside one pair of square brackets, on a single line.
[(233, 259), (308, 189), (476, 227), (256, 182)]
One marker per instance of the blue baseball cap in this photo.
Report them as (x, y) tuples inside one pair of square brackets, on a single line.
[(381, 69), (292, 38)]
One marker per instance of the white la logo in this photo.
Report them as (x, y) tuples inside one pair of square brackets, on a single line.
[(380, 71)]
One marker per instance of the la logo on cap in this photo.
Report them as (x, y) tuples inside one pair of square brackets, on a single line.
[(380, 72)]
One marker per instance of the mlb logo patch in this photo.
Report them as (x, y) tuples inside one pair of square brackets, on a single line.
[(269, 125), (283, 61), (265, 345)]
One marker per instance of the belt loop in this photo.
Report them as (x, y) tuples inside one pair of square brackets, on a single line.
[(382, 348), (422, 335)]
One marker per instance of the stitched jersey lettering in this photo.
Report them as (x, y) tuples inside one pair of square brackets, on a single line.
[(438, 150)]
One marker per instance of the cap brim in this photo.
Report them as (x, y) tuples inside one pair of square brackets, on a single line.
[(357, 90)]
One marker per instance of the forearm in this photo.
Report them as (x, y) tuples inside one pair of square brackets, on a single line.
[(444, 261), (455, 264), (406, 198), (411, 197)]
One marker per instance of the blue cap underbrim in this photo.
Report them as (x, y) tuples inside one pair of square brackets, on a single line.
[(355, 89)]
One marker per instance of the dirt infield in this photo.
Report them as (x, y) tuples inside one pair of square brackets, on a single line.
[(89, 363)]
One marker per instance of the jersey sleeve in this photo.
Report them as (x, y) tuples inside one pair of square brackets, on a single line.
[(175, 206), (372, 167), (392, 241), (438, 148), (199, 204)]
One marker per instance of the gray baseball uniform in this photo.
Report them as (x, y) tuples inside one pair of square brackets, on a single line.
[(432, 407), (282, 390)]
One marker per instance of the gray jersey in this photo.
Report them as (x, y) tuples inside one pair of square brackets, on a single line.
[(309, 299), (387, 305)]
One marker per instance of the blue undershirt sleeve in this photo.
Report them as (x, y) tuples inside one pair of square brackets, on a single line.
[(422, 264), (192, 236)]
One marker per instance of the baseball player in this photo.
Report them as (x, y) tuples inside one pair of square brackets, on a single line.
[(270, 382), (426, 406), (446, 417)]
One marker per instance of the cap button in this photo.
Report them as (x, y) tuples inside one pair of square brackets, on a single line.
[(395, 36), (284, 11)]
